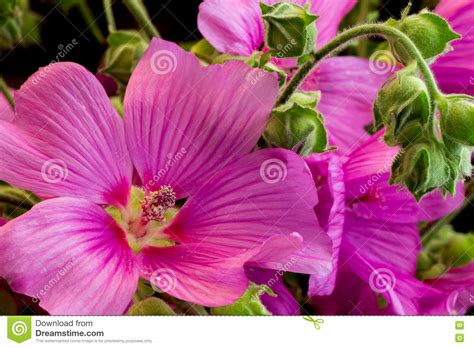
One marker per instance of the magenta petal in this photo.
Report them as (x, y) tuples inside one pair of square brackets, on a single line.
[(186, 122), (75, 138), (195, 273), (232, 26), (330, 210), (393, 244), (404, 293), (434, 206), (455, 70), (284, 303), (71, 256), (349, 87), (458, 279), (264, 194)]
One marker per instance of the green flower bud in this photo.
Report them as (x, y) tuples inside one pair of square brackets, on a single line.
[(403, 106), (459, 250), (151, 306), (422, 168), (125, 49), (457, 121), (289, 29), (430, 33), (297, 126)]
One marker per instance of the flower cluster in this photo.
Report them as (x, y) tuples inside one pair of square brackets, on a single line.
[(304, 179)]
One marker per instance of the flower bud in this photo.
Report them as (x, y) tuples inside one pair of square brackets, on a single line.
[(125, 49), (459, 250), (403, 106), (457, 121), (289, 29), (422, 168), (430, 33), (297, 126)]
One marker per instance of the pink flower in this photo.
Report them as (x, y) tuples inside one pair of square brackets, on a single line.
[(187, 133), (375, 236), (455, 70)]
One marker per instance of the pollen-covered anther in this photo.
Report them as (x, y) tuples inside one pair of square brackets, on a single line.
[(155, 204)]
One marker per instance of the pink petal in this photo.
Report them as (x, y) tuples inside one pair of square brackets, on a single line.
[(205, 274), (195, 273), (72, 256), (349, 86), (455, 70), (331, 14), (330, 210), (284, 303), (232, 26), (66, 139), (189, 121), (267, 193), (2, 221), (6, 111)]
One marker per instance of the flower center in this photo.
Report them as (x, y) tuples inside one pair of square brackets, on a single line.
[(156, 203), (145, 217)]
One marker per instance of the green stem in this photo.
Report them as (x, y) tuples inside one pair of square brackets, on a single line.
[(343, 39), (86, 12), (109, 15), (139, 12), (6, 92), (459, 96), (364, 7)]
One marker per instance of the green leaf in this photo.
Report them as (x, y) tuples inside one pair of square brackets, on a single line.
[(430, 33), (248, 305), (151, 306), (204, 50)]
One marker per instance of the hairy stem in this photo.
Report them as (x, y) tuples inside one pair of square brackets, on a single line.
[(343, 39)]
